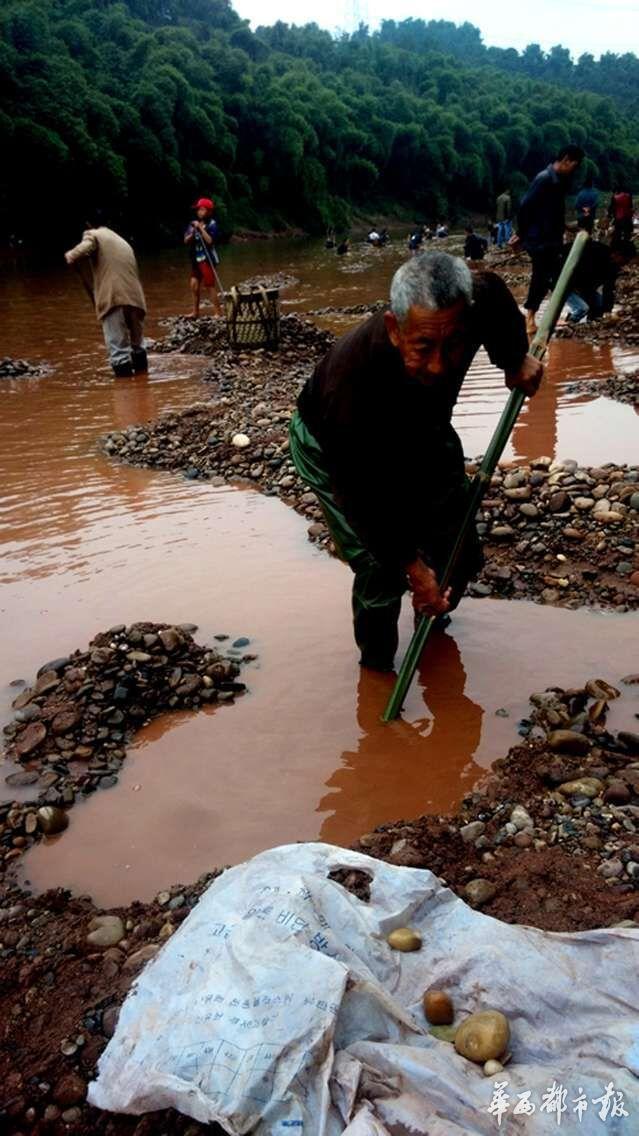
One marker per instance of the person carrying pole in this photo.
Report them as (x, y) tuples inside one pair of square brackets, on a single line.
[(372, 436), (200, 238), (481, 481)]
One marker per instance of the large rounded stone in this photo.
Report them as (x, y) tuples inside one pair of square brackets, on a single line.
[(105, 931), (31, 738), (52, 820), (568, 741), (478, 892), (483, 1036)]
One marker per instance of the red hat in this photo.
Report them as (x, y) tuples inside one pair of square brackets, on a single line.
[(204, 203)]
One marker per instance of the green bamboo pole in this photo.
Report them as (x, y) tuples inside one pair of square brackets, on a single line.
[(481, 481)]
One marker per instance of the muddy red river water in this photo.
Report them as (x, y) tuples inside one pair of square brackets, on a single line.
[(303, 755)]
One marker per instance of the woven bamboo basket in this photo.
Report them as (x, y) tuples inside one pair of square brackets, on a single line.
[(253, 318)]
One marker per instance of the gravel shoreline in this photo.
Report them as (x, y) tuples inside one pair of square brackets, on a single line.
[(621, 388), (553, 532)]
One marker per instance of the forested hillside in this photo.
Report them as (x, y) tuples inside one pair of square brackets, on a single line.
[(142, 105)]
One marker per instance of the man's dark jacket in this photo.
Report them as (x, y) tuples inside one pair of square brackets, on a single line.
[(542, 214), (395, 462)]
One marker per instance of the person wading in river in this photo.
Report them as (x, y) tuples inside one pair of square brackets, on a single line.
[(372, 436), (117, 295)]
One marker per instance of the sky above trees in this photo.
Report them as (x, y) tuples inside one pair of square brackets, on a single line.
[(592, 26)]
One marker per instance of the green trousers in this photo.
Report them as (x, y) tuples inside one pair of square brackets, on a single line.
[(377, 588)]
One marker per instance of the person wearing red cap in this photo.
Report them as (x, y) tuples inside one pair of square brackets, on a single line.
[(200, 238)]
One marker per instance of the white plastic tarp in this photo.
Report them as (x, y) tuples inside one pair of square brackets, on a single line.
[(278, 1007)]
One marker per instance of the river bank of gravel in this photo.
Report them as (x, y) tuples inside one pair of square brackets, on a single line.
[(621, 388), (553, 532), (71, 728), (549, 838)]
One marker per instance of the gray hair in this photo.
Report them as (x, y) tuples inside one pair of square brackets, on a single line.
[(431, 280)]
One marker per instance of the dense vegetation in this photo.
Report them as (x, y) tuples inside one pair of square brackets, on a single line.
[(141, 105)]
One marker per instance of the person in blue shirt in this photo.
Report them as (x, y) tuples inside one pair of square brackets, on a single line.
[(200, 238), (586, 206)]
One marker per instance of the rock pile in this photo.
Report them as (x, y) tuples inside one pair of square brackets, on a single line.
[(351, 309), (551, 836), (20, 369), (189, 336), (72, 727), (299, 340), (560, 534), (279, 280), (621, 388)]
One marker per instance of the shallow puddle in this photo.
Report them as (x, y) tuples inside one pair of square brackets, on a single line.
[(303, 755)]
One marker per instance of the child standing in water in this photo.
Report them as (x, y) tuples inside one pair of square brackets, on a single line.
[(200, 238)]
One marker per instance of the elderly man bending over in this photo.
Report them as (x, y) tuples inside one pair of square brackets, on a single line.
[(372, 436)]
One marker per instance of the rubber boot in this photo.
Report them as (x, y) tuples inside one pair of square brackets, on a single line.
[(140, 360), (123, 370)]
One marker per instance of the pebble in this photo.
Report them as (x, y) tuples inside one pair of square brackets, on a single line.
[(72, 1115), (438, 1007), (169, 638), (521, 818), (559, 502), (523, 839), (588, 787), (480, 891), (140, 958), (617, 793), (69, 1090), (52, 819), (598, 688), (21, 779), (110, 1020), (404, 939), (240, 441), (470, 832), (31, 738), (610, 869), (568, 741), (492, 1068), (105, 931)]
